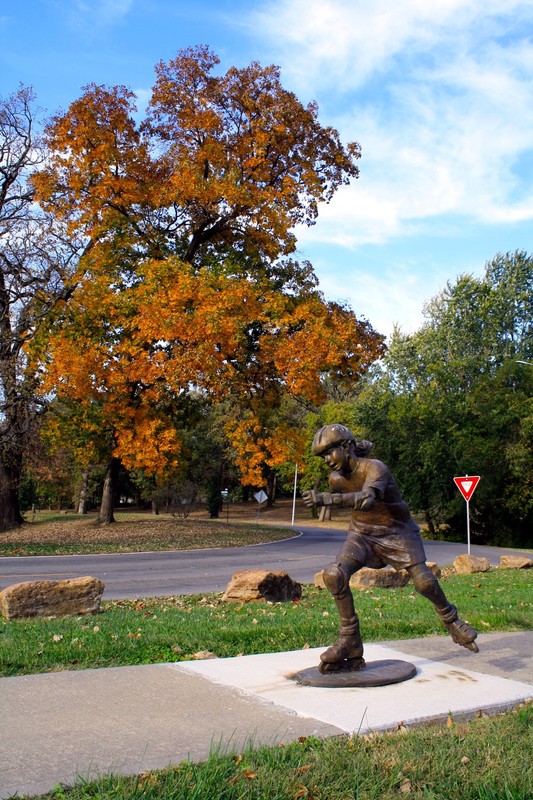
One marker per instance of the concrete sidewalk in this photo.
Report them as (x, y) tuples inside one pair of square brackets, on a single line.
[(57, 726)]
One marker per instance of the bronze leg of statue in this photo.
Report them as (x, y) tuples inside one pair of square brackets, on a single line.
[(346, 654), (428, 586)]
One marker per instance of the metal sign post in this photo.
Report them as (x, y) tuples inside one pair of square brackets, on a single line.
[(294, 493), (260, 496), (225, 499), (467, 486)]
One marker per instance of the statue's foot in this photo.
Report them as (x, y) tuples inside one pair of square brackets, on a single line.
[(345, 655), (462, 633), (345, 665)]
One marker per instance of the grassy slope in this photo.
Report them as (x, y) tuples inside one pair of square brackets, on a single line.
[(175, 628), (61, 535)]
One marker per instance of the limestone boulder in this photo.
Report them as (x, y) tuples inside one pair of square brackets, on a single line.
[(51, 598), (515, 562), (380, 578), (260, 584), (466, 564), (367, 577), (318, 580)]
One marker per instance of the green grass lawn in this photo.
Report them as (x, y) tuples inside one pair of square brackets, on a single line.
[(149, 631)]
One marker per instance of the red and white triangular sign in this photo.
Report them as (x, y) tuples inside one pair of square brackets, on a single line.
[(467, 485)]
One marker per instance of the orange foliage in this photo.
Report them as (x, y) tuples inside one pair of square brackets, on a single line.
[(233, 160), (185, 215), (129, 353)]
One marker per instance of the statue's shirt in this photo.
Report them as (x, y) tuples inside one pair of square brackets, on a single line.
[(390, 534)]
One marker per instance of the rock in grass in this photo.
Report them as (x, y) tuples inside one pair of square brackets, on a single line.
[(383, 578), (434, 567), (466, 564), (380, 578), (515, 562), (318, 580), (51, 598), (260, 584), (367, 577)]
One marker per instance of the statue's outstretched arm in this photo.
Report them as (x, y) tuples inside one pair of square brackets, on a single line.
[(362, 501)]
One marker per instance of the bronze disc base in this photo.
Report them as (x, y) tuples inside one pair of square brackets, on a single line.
[(376, 673)]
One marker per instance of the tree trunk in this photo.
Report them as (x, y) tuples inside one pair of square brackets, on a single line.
[(84, 488), (271, 488), (10, 516), (430, 523), (214, 498), (325, 514), (155, 506), (105, 517)]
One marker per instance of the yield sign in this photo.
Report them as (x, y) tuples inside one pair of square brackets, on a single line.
[(467, 485)]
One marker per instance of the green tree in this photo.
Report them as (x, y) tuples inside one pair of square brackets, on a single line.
[(451, 400)]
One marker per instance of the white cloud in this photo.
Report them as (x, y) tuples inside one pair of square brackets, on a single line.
[(351, 39), (97, 13), (392, 296), (440, 95)]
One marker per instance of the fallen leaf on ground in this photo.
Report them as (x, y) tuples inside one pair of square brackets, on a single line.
[(201, 654), (401, 728)]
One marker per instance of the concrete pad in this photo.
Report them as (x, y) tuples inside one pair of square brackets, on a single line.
[(437, 690), (505, 655), (125, 720)]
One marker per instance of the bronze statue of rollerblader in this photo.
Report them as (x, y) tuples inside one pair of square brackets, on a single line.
[(381, 532)]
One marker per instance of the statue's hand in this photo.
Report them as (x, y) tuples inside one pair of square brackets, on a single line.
[(312, 498)]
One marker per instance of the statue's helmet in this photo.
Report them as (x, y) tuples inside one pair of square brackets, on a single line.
[(329, 436)]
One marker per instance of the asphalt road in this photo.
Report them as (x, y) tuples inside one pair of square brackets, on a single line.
[(160, 574)]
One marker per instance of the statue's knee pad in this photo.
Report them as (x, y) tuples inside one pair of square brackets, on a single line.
[(335, 579), (425, 581)]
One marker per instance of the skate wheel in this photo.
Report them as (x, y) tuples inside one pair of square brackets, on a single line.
[(352, 664), (327, 668)]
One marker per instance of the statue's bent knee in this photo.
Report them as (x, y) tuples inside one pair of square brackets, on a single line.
[(424, 580), (335, 579)]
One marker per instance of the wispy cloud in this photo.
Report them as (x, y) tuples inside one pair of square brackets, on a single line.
[(439, 95), (393, 295), (97, 14), (353, 40)]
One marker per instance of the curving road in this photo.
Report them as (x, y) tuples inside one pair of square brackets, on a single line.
[(129, 575)]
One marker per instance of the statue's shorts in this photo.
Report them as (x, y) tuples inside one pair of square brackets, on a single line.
[(375, 546)]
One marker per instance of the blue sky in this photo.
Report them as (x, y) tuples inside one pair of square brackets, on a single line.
[(439, 93)]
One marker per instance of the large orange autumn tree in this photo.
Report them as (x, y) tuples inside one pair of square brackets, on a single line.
[(187, 282)]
